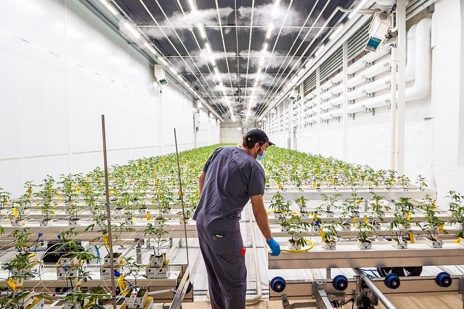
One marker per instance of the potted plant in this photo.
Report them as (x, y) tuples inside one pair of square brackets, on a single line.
[(329, 235), (433, 226), (456, 200), (279, 205), (46, 204), (365, 230), (301, 202), (378, 211), (457, 213), (400, 225)]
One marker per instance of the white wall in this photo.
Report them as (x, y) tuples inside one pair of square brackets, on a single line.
[(448, 94), (432, 146), (61, 68)]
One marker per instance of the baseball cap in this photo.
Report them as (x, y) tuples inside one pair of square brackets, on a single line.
[(257, 135)]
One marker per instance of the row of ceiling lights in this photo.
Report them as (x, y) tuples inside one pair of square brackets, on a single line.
[(148, 45)]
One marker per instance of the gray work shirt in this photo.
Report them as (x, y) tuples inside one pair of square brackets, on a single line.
[(232, 177)]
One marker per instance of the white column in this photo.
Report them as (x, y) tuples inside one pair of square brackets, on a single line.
[(290, 124), (393, 107), (318, 104), (401, 23), (160, 122)]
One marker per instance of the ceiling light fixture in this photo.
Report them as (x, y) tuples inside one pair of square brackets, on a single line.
[(162, 60), (192, 5), (359, 6), (208, 47), (132, 29), (150, 48), (202, 30), (264, 47), (336, 31), (269, 31), (319, 50), (109, 7)]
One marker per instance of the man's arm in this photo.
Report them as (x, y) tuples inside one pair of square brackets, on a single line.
[(260, 213), (201, 180)]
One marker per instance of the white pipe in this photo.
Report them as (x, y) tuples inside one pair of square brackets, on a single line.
[(326, 95), (337, 112), (393, 106), (368, 58), (355, 108), (379, 101), (374, 70), (410, 57), (325, 116), (337, 89), (325, 106), (422, 84)]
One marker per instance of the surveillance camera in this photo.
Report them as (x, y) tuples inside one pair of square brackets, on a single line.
[(378, 30), (292, 95)]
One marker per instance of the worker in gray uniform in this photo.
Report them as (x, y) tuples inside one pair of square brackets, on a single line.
[(230, 178)]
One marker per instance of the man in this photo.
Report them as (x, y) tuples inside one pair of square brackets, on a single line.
[(230, 178)]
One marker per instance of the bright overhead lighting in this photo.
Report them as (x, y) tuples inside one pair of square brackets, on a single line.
[(216, 70), (269, 31), (336, 31), (261, 61), (150, 48), (202, 30), (355, 11), (208, 47), (192, 5), (264, 47), (132, 29), (319, 50), (109, 7), (162, 60)]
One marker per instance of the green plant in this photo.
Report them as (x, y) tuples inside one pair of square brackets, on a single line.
[(434, 224), (456, 200), (46, 194), (365, 230), (158, 233), (279, 204)]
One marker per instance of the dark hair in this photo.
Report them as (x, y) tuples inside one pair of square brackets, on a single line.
[(248, 143)]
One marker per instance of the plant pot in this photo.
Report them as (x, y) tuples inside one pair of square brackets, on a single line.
[(330, 214), (295, 247), (46, 222), (316, 228), (329, 245), (346, 227), (284, 228), (437, 243), (74, 221), (377, 226), (399, 245), (364, 245), (18, 222)]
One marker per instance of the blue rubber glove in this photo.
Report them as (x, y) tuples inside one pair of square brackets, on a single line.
[(275, 247)]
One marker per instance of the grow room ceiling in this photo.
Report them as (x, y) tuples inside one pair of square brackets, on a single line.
[(236, 54)]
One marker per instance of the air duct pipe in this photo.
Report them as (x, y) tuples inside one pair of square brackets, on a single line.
[(419, 66)]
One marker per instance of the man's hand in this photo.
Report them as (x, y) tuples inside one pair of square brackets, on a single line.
[(275, 247)]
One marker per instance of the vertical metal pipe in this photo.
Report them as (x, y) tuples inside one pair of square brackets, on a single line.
[(393, 107), (401, 24), (181, 198), (345, 101), (108, 215)]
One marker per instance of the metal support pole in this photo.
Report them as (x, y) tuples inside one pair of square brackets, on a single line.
[(181, 197), (377, 292), (318, 100), (108, 215)]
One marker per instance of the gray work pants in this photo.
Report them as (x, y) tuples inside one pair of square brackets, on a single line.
[(224, 258)]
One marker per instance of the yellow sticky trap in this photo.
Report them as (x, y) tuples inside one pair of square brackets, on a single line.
[(36, 203), (87, 177), (11, 284), (370, 183), (15, 212), (152, 202), (354, 220), (457, 241), (409, 215), (59, 198), (314, 185), (441, 228), (358, 201), (332, 181), (159, 191), (106, 239), (315, 216), (279, 187), (148, 215), (321, 232), (411, 237), (366, 220)]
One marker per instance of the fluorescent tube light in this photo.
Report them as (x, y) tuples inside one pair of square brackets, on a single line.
[(319, 50), (336, 31), (202, 30), (132, 29), (109, 7), (359, 6)]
